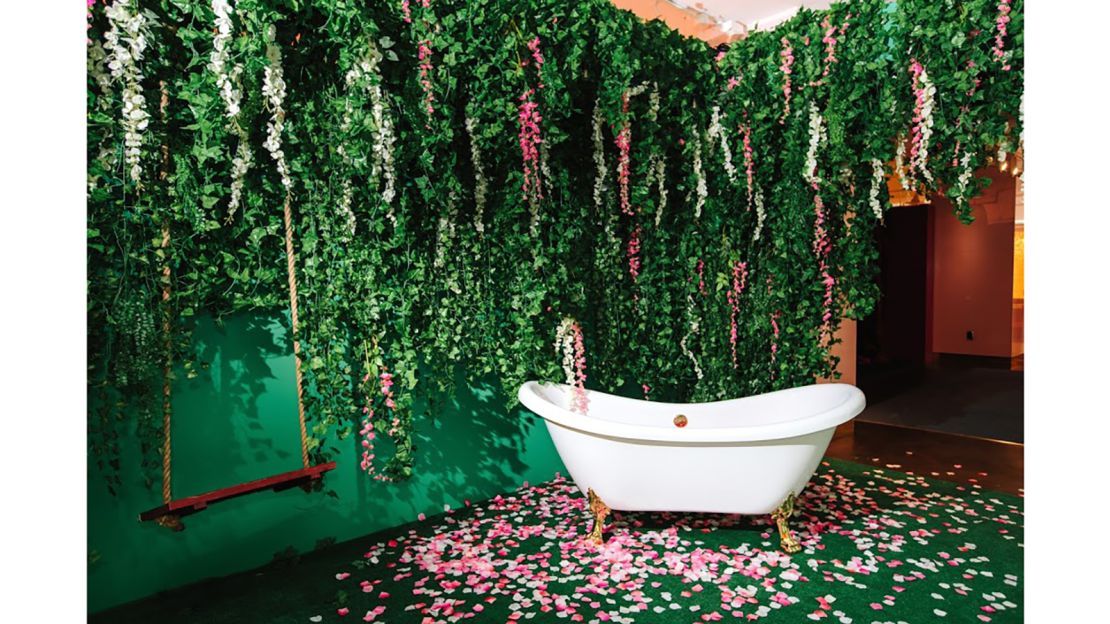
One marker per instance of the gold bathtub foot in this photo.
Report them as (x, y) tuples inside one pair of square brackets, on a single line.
[(600, 510), (780, 516)]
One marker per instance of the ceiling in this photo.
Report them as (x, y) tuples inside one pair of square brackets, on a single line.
[(739, 16), (719, 21)]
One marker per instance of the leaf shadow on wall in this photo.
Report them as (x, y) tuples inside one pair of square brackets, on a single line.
[(468, 447), (243, 410)]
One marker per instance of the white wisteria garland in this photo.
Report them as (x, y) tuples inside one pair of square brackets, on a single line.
[(877, 177), (599, 156), (545, 169), (345, 209), (817, 138), (905, 178), (691, 330), (445, 235), (97, 66), (571, 344), (230, 87), (381, 162), (760, 214), (125, 43), (364, 74), (962, 182), (273, 90), (661, 180), (717, 132), (481, 185), (653, 103), (240, 164), (700, 189), (227, 81)]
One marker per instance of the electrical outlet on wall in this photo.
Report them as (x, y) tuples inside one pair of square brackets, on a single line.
[(970, 334)]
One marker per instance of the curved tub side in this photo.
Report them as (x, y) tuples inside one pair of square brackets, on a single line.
[(537, 397), (637, 475)]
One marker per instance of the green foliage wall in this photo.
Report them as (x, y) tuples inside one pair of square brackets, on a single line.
[(464, 175)]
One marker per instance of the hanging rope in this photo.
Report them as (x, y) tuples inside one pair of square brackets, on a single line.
[(170, 522), (167, 344), (291, 264)]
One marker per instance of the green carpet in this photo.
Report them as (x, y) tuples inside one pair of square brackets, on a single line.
[(878, 546)]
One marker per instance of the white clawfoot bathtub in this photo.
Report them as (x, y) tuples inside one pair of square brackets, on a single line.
[(741, 456)]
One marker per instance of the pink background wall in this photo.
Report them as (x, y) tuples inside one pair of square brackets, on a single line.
[(973, 273)]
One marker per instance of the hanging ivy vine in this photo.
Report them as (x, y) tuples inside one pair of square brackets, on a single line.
[(466, 175)]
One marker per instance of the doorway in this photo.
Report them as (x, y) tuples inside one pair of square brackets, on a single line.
[(891, 342)]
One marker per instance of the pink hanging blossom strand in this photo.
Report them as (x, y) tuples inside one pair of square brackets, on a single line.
[(624, 145), (829, 39), (787, 55), (739, 282), (534, 46), (368, 432), (1000, 37), (529, 117), (749, 159), (425, 56), (88, 16), (634, 253), (580, 369), (821, 247), (774, 336), (530, 137)]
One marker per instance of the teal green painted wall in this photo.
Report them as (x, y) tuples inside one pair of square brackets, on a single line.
[(237, 421)]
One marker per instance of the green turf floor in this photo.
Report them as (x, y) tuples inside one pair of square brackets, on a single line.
[(879, 546)]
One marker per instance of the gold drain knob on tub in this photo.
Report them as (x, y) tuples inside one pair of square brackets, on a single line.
[(680, 421)]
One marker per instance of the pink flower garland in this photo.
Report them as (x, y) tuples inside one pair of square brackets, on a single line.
[(88, 16), (829, 282), (701, 276), (406, 11), (787, 55), (830, 44), (822, 246), (624, 145), (830, 41), (425, 55), (367, 432), (775, 336), (387, 383), (529, 117), (580, 369), (634, 253), (739, 282), (534, 46), (999, 38), (749, 159), (647, 390)]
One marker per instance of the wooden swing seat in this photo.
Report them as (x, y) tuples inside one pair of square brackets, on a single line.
[(170, 513)]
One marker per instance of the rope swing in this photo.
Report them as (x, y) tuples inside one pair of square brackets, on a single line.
[(171, 511)]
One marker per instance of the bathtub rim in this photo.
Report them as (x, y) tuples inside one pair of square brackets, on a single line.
[(835, 415)]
